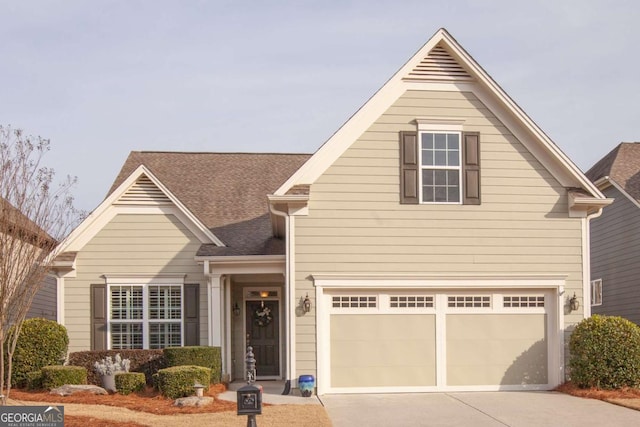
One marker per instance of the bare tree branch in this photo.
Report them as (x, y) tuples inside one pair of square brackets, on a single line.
[(35, 213)]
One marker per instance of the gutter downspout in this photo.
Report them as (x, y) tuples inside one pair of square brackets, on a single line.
[(290, 295), (586, 274)]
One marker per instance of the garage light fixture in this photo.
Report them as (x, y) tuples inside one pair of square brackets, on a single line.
[(306, 304), (574, 304)]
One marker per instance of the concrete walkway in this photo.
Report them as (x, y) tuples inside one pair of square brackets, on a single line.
[(271, 393), (484, 409)]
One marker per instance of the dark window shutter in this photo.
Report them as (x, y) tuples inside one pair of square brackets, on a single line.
[(192, 314), (99, 317), (409, 168), (471, 168)]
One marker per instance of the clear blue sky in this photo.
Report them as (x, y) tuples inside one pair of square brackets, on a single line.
[(102, 78)]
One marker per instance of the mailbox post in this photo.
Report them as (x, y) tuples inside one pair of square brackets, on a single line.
[(250, 403), (249, 398)]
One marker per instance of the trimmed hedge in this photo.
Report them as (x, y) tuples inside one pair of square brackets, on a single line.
[(56, 376), (34, 380), (41, 343), (178, 381), (127, 382), (209, 357), (605, 353), (147, 362)]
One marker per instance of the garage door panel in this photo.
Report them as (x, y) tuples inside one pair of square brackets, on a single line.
[(369, 350), (505, 349)]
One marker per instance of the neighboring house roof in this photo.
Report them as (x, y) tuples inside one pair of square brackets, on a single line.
[(17, 224), (224, 192), (442, 64), (622, 166)]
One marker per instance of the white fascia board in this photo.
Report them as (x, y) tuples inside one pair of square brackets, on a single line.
[(106, 211), (539, 281), (395, 87), (358, 123), (548, 144)]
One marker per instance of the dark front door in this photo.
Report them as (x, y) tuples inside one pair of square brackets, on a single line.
[(262, 334)]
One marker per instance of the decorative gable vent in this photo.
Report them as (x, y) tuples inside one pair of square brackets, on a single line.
[(144, 192), (438, 65)]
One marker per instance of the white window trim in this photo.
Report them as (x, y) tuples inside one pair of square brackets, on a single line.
[(594, 284), (145, 282), (439, 125), (422, 167)]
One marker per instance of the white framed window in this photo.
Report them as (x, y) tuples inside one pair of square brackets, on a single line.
[(145, 316), (596, 292), (440, 167)]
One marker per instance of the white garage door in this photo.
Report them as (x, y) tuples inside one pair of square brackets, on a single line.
[(389, 340)]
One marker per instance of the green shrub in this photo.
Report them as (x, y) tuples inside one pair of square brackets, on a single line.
[(178, 381), (127, 382), (209, 357), (146, 361), (34, 380), (41, 343), (605, 353), (56, 376)]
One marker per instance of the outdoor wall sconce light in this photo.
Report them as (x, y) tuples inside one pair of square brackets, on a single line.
[(306, 304), (236, 310), (574, 304)]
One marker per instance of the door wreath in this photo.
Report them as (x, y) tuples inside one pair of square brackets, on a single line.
[(262, 316)]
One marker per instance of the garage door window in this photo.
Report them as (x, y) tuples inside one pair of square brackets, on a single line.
[(523, 301), (411, 301), (355, 301), (469, 301)]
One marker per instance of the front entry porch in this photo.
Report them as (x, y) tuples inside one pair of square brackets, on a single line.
[(249, 310)]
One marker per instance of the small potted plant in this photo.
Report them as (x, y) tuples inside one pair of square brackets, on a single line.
[(107, 368)]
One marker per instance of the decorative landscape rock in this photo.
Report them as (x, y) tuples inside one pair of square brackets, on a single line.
[(193, 401), (69, 389)]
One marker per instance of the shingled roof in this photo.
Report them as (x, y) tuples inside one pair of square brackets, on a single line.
[(621, 165), (227, 192)]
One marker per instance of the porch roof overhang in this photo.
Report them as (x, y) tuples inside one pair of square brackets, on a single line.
[(249, 264)]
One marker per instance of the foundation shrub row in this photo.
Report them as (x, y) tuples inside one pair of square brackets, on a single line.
[(174, 371)]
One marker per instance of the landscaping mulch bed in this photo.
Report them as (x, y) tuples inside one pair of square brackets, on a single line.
[(628, 397), (148, 401)]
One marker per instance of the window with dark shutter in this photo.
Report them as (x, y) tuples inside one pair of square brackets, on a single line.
[(99, 317), (443, 166), (409, 168), (471, 168), (191, 314)]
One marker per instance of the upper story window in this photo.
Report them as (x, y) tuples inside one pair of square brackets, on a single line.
[(440, 164)]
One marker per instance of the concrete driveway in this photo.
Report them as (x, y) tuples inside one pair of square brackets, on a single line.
[(484, 409)]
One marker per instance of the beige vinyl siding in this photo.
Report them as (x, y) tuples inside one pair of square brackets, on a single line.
[(137, 245), (357, 225)]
